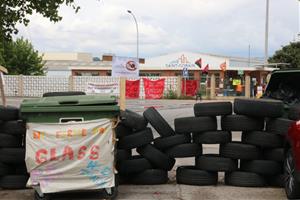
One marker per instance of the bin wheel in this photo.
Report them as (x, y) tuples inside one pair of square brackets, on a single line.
[(38, 197), (112, 195)]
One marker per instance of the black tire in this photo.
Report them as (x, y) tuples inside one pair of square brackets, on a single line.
[(123, 154), (184, 150), (150, 177), (254, 107), (241, 123), (294, 112), (190, 175), (245, 179), (195, 124), (133, 120), (158, 122), (121, 131), (135, 164), (263, 139), (9, 113), (163, 143), (7, 140), (276, 181), (5, 169), (137, 139), (279, 125), (13, 182), (237, 150), (12, 155), (157, 158), (215, 163), (16, 128), (292, 186), (21, 169), (213, 109), (69, 93), (212, 137), (262, 167), (276, 154)]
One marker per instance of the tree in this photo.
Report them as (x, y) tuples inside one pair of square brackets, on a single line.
[(17, 11), (288, 54), (21, 58)]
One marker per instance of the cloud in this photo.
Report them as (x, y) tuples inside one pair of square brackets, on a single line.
[(213, 26)]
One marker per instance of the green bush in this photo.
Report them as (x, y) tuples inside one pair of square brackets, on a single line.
[(170, 94)]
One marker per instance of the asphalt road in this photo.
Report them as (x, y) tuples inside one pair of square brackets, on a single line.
[(173, 190)]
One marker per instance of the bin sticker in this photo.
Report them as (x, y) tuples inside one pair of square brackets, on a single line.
[(70, 156)]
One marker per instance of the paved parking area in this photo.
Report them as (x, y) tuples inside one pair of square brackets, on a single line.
[(173, 190)]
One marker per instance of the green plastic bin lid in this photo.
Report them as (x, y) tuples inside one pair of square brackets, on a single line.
[(70, 103)]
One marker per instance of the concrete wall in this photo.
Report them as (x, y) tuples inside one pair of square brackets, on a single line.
[(67, 56)]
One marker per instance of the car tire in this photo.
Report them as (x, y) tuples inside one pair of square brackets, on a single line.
[(133, 120), (184, 150), (276, 154), (241, 123), (190, 175), (158, 122), (150, 177), (69, 93), (137, 139), (292, 186), (237, 150), (5, 169), (157, 158), (9, 113), (276, 181), (294, 112), (195, 124), (254, 107), (121, 131), (215, 163), (262, 167), (21, 169), (163, 143), (279, 125), (17, 128), (212, 137), (213, 109), (7, 140), (244, 179), (263, 139), (12, 155), (135, 164), (13, 182)]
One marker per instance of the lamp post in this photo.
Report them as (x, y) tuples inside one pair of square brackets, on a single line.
[(267, 32), (137, 35)]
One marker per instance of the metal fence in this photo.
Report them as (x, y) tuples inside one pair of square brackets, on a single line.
[(35, 86)]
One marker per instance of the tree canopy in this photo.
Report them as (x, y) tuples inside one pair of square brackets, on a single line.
[(288, 54), (20, 57), (18, 11)]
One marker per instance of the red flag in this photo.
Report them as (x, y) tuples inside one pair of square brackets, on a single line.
[(205, 70), (223, 66), (199, 63)]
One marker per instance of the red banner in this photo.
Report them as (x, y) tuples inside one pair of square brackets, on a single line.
[(191, 87), (154, 89), (132, 89)]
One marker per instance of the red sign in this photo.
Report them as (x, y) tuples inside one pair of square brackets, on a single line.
[(132, 89), (154, 89), (191, 87)]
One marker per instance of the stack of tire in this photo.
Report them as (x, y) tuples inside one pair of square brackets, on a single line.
[(151, 165), (260, 151), (13, 172), (204, 130)]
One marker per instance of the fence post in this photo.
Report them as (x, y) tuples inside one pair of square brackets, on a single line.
[(247, 86), (179, 85), (20, 91), (212, 86), (71, 83)]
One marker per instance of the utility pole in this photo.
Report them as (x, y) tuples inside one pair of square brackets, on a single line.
[(267, 33)]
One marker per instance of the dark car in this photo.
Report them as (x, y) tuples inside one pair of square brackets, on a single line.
[(285, 85)]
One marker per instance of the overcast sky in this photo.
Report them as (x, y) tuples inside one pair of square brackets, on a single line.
[(210, 26)]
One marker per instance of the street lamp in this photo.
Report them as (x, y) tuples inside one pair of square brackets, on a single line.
[(267, 33), (137, 35)]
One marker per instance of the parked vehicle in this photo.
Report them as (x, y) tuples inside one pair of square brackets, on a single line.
[(284, 85)]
